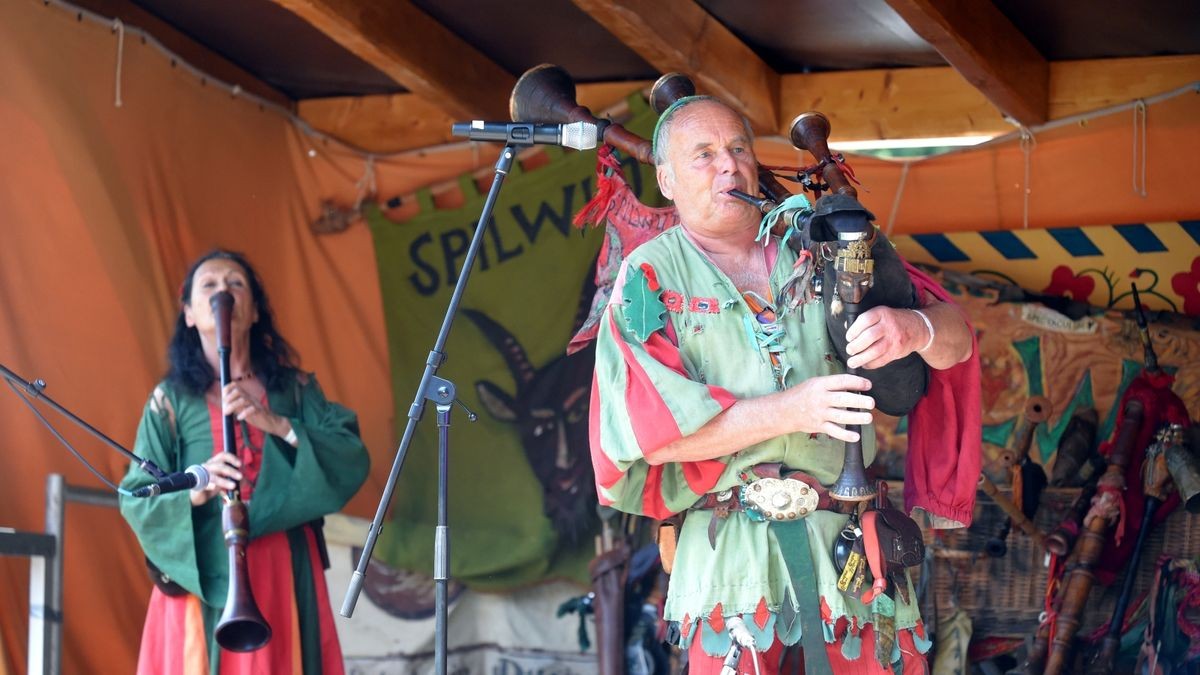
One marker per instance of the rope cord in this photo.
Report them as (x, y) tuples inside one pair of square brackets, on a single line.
[(65, 442), (1139, 148), (1028, 142), (118, 28)]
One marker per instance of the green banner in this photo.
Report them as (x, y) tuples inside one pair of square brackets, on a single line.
[(522, 498)]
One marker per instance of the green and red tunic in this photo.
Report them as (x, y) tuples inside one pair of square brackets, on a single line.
[(677, 346), (286, 489)]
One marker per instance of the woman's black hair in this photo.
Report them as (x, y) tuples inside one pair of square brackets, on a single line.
[(271, 356)]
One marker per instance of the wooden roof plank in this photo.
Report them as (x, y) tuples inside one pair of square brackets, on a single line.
[(891, 104), (936, 102), (1080, 86), (861, 105), (414, 50), (985, 47)]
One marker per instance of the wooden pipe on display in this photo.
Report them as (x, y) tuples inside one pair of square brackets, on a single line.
[(1037, 410), (1079, 581)]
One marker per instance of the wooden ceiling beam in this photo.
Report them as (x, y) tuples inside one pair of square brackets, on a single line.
[(416, 51), (984, 46), (861, 105), (679, 36)]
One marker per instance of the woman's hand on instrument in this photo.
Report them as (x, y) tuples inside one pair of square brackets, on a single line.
[(223, 474), (828, 403), (237, 401), (881, 335)]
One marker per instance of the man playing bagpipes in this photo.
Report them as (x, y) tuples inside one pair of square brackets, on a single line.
[(716, 398)]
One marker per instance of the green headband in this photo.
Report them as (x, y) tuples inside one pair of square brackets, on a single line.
[(655, 140)]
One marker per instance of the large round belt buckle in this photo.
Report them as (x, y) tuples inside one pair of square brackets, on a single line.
[(781, 499)]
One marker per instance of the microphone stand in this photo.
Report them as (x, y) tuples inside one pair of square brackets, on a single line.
[(442, 393), (35, 389)]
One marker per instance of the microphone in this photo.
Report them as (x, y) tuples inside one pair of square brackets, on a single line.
[(193, 477), (740, 638), (576, 135)]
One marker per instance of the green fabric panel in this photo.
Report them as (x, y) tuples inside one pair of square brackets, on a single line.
[(306, 602), (793, 544), (1129, 370), (212, 616), (425, 199), (320, 475), (1030, 350), (998, 434), (161, 523), (1046, 438), (527, 278)]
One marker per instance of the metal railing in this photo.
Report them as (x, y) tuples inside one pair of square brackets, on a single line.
[(45, 553)]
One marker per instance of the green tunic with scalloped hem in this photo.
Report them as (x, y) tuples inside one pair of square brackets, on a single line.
[(657, 381)]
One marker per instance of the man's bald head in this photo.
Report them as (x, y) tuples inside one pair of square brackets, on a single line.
[(662, 131)]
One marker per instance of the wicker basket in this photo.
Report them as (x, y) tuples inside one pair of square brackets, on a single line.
[(1005, 595)]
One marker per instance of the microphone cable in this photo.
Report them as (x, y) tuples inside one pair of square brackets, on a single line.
[(118, 489)]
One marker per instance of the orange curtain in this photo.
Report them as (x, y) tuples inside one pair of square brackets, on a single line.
[(101, 209)]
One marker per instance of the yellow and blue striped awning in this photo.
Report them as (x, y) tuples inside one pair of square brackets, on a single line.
[(1162, 258)]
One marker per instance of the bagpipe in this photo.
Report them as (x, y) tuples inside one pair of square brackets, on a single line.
[(852, 265)]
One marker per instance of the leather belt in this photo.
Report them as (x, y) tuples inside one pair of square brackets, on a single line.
[(775, 493)]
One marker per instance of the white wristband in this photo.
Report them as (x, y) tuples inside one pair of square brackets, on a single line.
[(293, 441), (928, 325)]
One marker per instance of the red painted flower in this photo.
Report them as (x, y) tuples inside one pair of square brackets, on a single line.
[(1063, 281), (1187, 285), (673, 300)]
